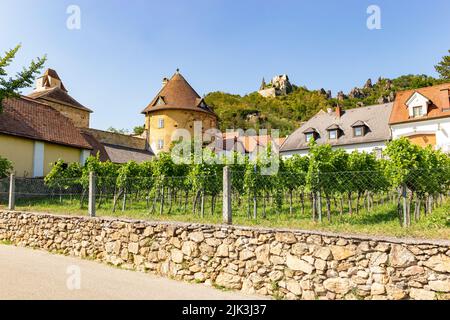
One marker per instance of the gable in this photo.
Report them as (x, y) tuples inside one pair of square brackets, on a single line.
[(417, 99)]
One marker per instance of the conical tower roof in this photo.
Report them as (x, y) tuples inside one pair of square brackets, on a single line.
[(177, 94)]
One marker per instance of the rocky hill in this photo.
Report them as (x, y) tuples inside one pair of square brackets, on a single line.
[(287, 112)]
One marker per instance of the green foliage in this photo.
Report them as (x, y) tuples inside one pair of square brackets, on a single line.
[(5, 167), (283, 113), (63, 176), (9, 86), (138, 130), (286, 113), (443, 67), (120, 131), (326, 175), (405, 158)]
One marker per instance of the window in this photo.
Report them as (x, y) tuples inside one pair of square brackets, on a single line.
[(332, 134), (160, 123), (417, 111), (358, 131), (378, 152), (160, 144), (309, 136)]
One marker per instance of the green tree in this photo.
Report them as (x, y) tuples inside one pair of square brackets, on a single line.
[(138, 130), (64, 177), (5, 167), (406, 161), (9, 86), (293, 177), (443, 67), (120, 131)]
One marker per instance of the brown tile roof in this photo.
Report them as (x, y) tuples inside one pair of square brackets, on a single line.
[(122, 150), (439, 101), (57, 94), (178, 94), (24, 117)]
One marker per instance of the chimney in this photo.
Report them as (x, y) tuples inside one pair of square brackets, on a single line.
[(164, 81), (445, 99), (338, 111)]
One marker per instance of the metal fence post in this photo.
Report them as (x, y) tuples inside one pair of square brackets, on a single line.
[(226, 208), (319, 205), (92, 191), (405, 209), (12, 192)]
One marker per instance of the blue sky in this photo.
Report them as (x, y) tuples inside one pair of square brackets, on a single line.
[(115, 63)]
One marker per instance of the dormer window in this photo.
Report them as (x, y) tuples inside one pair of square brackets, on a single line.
[(417, 105), (360, 128), (160, 101), (358, 131), (332, 134), (417, 111), (310, 134)]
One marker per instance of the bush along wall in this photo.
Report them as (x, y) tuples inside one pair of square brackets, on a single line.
[(285, 264)]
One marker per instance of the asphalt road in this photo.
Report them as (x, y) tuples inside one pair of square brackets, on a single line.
[(34, 274)]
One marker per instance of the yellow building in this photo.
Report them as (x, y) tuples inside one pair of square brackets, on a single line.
[(33, 136), (176, 106)]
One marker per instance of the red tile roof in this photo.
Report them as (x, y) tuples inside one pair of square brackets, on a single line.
[(27, 118), (178, 94), (438, 108)]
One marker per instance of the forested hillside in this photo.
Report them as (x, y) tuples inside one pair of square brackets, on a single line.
[(287, 112)]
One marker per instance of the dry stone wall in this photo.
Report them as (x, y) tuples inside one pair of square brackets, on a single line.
[(284, 264)]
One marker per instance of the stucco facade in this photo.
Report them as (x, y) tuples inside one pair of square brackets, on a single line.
[(20, 152), (172, 120), (369, 147), (434, 132), (80, 118), (423, 116), (32, 158), (176, 106)]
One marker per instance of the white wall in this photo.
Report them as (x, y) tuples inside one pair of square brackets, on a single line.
[(440, 127), (38, 159), (84, 155), (361, 147)]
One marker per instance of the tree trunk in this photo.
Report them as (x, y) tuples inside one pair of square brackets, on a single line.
[(124, 200), (313, 205), (264, 205), (328, 202), (162, 196), (350, 208), (302, 201), (417, 208), (358, 198), (194, 206), (170, 199), (255, 206), (290, 202), (202, 205), (186, 197)]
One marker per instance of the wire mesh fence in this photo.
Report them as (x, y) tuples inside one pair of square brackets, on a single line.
[(321, 196)]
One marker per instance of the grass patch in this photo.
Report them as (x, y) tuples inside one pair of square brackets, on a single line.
[(381, 220), (6, 242)]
